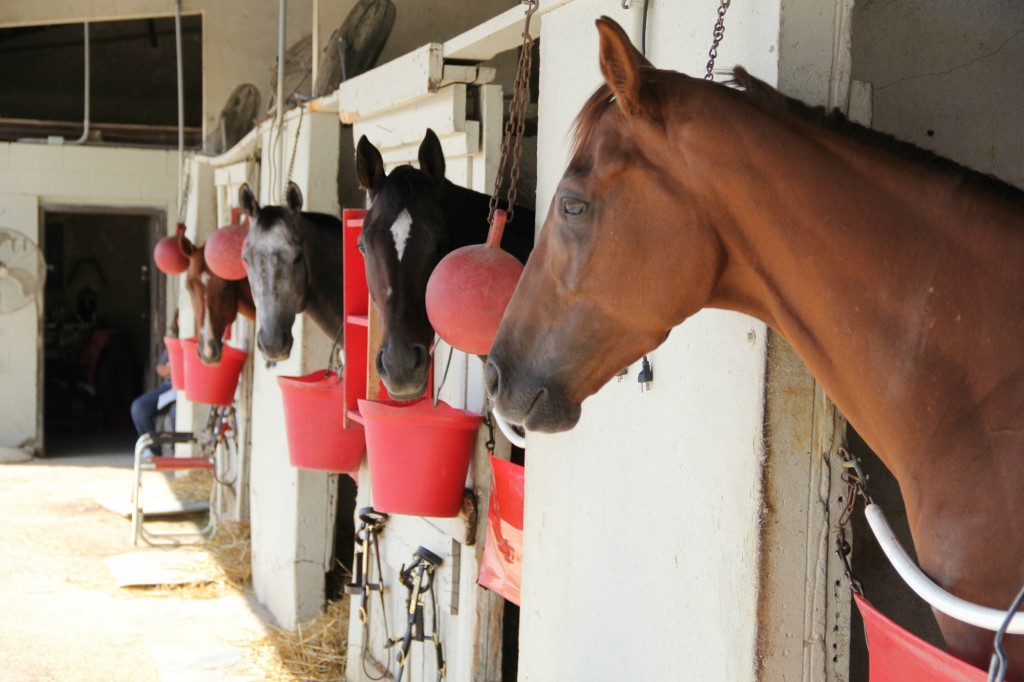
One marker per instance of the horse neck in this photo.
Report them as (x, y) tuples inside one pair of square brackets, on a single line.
[(872, 268), (324, 286), (467, 212)]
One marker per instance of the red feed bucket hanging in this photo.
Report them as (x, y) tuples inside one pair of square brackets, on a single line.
[(418, 454), (895, 655), (469, 290), (177, 361), (224, 251), (314, 416), (211, 384)]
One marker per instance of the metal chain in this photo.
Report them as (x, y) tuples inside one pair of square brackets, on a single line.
[(516, 123), (856, 487), (295, 147), (716, 38), (334, 356), (489, 423)]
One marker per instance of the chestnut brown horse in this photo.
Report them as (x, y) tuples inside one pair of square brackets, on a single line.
[(215, 301), (417, 218), (897, 276)]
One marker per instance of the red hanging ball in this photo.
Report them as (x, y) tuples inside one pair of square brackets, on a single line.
[(224, 252), (469, 290), (168, 256)]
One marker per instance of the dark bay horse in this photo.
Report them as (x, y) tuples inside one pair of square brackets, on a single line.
[(897, 276), (216, 302), (295, 266), (418, 217)]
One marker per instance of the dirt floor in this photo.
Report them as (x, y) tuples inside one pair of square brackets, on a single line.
[(61, 616)]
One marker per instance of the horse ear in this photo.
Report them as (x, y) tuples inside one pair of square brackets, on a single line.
[(620, 65), (432, 157), (369, 165), (293, 197), (247, 200)]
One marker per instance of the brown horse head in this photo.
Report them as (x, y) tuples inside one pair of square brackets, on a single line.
[(405, 234), (216, 302), (886, 268), (583, 309), (418, 217)]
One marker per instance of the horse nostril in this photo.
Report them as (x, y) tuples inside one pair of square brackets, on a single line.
[(422, 355), (492, 378), (381, 370)]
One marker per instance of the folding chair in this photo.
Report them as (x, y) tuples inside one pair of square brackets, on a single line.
[(144, 461)]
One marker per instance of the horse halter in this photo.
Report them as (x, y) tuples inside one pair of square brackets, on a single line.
[(418, 579), (366, 545)]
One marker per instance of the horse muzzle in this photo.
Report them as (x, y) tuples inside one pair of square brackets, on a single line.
[(275, 347), (540, 406), (209, 351), (405, 371)]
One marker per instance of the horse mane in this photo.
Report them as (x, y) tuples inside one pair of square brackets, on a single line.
[(766, 97)]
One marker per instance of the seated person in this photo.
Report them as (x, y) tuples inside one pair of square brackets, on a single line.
[(147, 405)]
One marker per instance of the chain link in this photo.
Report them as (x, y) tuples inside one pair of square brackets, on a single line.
[(516, 123), (716, 39), (856, 487), (295, 147)]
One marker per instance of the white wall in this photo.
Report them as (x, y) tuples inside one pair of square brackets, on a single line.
[(34, 176), (641, 556), (19, 357), (291, 509)]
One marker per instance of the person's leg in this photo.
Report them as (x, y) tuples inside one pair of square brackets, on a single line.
[(144, 409)]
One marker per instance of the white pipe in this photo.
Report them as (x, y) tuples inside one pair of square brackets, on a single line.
[(85, 116), (506, 428), (279, 102), (181, 107), (938, 598), (315, 48)]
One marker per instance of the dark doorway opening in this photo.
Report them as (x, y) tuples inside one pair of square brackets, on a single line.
[(101, 312)]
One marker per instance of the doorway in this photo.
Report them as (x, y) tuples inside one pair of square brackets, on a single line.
[(103, 316)]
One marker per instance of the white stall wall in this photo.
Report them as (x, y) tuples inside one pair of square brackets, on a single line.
[(292, 509), (19, 338), (34, 176), (947, 76), (642, 524)]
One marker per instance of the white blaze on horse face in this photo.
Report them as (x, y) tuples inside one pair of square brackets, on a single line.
[(400, 231)]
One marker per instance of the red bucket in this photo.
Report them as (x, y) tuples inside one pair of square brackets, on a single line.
[(176, 361), (314, 416), (211, 384), (419, 455)]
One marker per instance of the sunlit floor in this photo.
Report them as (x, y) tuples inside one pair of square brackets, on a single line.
[(63, 618)]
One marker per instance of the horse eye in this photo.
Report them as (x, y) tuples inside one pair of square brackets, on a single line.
[(361, 247), (573, 207), (298, 258)]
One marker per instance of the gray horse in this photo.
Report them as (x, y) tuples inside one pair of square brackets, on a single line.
[(294, 262)]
